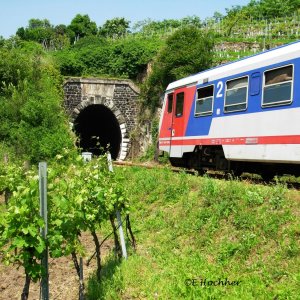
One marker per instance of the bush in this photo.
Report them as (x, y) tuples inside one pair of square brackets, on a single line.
[(32, 121), (189, 50)]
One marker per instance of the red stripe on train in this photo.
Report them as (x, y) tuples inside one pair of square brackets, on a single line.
[(260, 140)]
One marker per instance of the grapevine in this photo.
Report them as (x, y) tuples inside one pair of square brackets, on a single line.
[(81, 196)]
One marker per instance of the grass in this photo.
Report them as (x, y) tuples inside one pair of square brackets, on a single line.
[(191, 228)]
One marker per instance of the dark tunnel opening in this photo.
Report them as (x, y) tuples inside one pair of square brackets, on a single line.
[(98, 121)]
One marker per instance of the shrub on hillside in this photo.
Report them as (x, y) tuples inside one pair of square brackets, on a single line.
[(32, 121)]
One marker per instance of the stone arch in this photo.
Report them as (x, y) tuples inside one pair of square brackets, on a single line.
[(119, 96), (108, 103)]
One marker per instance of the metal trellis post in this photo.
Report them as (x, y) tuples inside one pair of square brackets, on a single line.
[(44, 231), (123, 245)]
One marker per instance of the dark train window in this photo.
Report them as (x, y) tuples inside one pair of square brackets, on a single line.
[(204, 101), (179, 104), (236, 95), (278, 85), (170, 103)]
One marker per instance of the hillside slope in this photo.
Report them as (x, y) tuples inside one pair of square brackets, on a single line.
[(202, 238)]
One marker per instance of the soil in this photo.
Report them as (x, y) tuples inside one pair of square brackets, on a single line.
[(63, 279)]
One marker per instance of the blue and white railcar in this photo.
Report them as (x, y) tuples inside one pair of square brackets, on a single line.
[(241, 115)]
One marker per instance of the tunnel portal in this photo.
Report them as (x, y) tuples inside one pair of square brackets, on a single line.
[(98, 130), (107, 108)]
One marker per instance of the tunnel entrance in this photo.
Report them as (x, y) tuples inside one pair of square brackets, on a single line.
[(98, 130)]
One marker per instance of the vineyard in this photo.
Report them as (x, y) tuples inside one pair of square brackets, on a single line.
[(186, 227), (187, 236), (81, 197)]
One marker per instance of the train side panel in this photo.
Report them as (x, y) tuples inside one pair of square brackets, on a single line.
[(175, 119), (256, 130), (275, 130)]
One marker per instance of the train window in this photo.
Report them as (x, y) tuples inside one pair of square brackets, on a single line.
[(170, 103), (236, 95), (204, 101), (179, 104), (278, 86)]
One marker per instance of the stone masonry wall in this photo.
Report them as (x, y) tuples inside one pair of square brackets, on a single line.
[(72, 92), (120, 96), (122, 92), (126, 101)]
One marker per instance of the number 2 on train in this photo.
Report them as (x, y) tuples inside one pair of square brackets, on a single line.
[(220, 89)]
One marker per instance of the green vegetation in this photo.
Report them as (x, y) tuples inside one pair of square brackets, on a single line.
[(116, 50), (81, 196), (94, 56), (186, 52), (32, 122), (114, 28), (269, 8), (190, 227)]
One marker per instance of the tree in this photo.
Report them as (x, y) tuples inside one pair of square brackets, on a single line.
[(37, 23), (40, 31), (21, 33), (130, 57), (191, 20), (62, 37), (233, 17), (43, 32), (32, 120), (277, 8), (217, 16), (187, 51), (116, 27), (82, 26), (149, 26), (2, 41), (269, 9), (61, 29)]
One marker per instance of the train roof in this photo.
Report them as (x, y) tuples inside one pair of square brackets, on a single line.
[(269, 57)]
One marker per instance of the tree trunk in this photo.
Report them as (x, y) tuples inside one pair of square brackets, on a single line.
[(117, 243), (98, 254), (128, 229), (25, 293), (76, 264)]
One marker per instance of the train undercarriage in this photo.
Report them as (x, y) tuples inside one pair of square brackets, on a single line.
[(212, 158)]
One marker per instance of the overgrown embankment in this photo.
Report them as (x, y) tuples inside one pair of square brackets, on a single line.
[(33, 124), (196, 235)]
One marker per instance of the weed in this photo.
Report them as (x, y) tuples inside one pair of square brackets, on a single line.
[(209, 190), (228, 250), (199, 227), (277, 195), (248, 241), (254, 197), (244, 219), (292, 249)]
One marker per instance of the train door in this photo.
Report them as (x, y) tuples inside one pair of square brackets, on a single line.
[(177, 128), (169, 117)]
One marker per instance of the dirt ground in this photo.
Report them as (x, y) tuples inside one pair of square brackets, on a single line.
[(63, 279)]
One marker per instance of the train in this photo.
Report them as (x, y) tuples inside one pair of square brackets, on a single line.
[(242, 116)]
